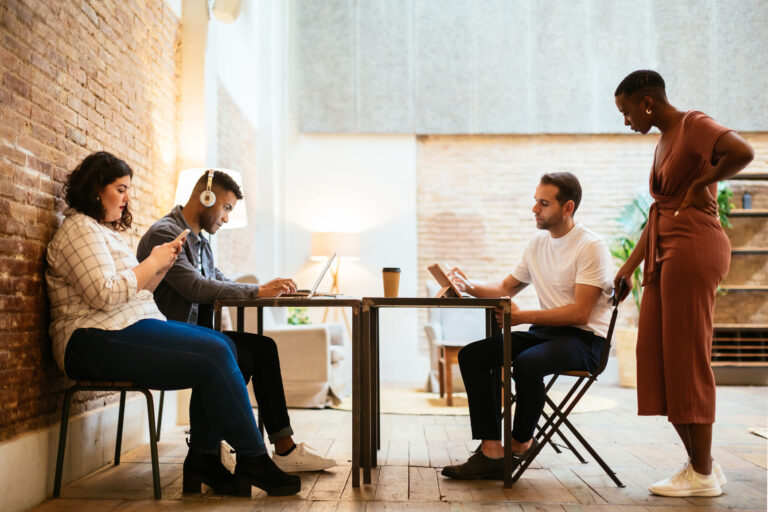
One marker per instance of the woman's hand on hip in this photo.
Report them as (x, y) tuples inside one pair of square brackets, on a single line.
[(700, 198)]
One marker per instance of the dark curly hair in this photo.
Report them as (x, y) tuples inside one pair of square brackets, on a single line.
[(85, 183)]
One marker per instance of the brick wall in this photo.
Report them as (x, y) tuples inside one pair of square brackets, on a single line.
[(75, 77), (237, 150), (475, 193)]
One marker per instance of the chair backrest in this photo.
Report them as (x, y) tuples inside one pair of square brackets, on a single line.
[(615, 301)]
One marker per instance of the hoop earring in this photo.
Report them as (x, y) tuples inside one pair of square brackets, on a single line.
[(648, 111)]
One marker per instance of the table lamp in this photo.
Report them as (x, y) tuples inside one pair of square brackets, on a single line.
[(238, 218), (346, 246)]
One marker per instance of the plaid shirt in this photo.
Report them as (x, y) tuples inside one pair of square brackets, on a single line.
[(91, 282)]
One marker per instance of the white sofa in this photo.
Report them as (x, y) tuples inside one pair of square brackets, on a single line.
[(315, 359)]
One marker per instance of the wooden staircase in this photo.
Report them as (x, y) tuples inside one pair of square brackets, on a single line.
[(740, 344)]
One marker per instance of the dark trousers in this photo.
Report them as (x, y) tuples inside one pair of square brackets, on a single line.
[(539, 352), (258, 361), (174, 355)]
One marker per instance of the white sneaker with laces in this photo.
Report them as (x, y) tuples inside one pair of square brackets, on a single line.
[(687, 482), (302, 458)]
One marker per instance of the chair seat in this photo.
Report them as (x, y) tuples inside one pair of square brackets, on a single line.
[(576, 373), (105, 383)]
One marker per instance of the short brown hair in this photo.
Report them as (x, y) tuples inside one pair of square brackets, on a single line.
[(568, 187)]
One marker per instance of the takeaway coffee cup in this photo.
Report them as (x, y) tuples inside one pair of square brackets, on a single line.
[(391, 281)]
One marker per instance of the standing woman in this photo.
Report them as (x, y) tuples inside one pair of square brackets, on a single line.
[(105, 325), (686, 255)]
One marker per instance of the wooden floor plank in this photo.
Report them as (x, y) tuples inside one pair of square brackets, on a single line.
[(422, 484), (392, 484)]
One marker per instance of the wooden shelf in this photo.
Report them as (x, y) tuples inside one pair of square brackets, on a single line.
[(740, 345), (750, 176), (753, 212), (750, 251), (740, 363), (742, 288)]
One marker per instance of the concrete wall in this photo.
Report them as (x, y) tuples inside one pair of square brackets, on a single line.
[(498, 66)]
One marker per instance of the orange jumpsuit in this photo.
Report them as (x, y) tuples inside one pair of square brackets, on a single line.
[(686, 257)]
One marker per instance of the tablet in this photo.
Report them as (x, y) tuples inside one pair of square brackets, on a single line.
[(448, 289)]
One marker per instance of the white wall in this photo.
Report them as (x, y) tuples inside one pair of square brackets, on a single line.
[(365, 185)]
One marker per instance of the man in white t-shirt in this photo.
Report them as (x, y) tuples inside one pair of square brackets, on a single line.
[(571, 269)]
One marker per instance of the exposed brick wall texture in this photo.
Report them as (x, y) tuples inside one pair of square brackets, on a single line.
[(475, 193), (237, 141), (75, 77)]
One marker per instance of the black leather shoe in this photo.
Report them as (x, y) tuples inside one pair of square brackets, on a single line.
[(477, 467), (519, 458), (261, 471), (205, 468)]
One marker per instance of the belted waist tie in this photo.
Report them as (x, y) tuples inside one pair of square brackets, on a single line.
[(651, 266)]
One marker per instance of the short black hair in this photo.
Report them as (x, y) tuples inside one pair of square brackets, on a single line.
[(221, 180), (568, 187), (85, 182), (645, 80)]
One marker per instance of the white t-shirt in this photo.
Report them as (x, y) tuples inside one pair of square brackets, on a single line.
[(556, 265)]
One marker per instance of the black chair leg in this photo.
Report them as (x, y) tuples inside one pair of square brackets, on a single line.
[(153, 442), (62, 442), (120, 417), (160, 414)]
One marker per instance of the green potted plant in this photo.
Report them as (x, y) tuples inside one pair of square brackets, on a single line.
[(632, 219)]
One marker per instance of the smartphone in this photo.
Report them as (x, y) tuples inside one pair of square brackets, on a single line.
[(182, 234)]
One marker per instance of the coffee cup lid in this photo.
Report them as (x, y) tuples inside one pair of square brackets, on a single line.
[(390, 269)]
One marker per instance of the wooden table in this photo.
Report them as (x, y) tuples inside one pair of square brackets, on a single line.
[(370, 385), (306, 302)]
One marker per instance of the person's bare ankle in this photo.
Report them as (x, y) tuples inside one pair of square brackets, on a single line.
[(492, 449)]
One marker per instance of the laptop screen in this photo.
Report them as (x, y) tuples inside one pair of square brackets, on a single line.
[(320, 277)]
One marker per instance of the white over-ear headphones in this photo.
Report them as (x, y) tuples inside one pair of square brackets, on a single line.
[(207, 197)]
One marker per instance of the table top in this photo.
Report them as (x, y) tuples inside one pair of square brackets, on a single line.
[(319, 301), (432, 302)]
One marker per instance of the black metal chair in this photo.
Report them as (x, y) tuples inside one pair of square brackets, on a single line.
[(553, 423), (122, 388)]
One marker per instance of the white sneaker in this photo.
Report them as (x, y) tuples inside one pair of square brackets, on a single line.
[(716, 469), (687, 482), (302, 459)]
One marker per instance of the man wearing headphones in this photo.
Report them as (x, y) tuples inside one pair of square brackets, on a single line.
[(190, 287)]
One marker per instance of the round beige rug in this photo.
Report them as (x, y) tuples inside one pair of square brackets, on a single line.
[(404, 401)]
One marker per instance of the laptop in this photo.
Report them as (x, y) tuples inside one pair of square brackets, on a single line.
[(312, 292)]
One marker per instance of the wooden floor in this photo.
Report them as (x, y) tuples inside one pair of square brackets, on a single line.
[(414, 449)]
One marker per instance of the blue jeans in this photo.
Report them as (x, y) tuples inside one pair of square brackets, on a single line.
[(175, 355), (541, 351)]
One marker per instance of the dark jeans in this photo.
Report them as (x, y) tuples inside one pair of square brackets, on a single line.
[(258, 360), (174, 355), (539, 352)]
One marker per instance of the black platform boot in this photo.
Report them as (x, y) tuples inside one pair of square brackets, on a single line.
[(262, 472), (206, 468)]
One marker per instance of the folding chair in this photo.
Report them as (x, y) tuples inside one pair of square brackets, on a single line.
[(559, 416)]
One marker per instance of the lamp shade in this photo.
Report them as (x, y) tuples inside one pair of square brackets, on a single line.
[(238, 218), (345, 245)]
